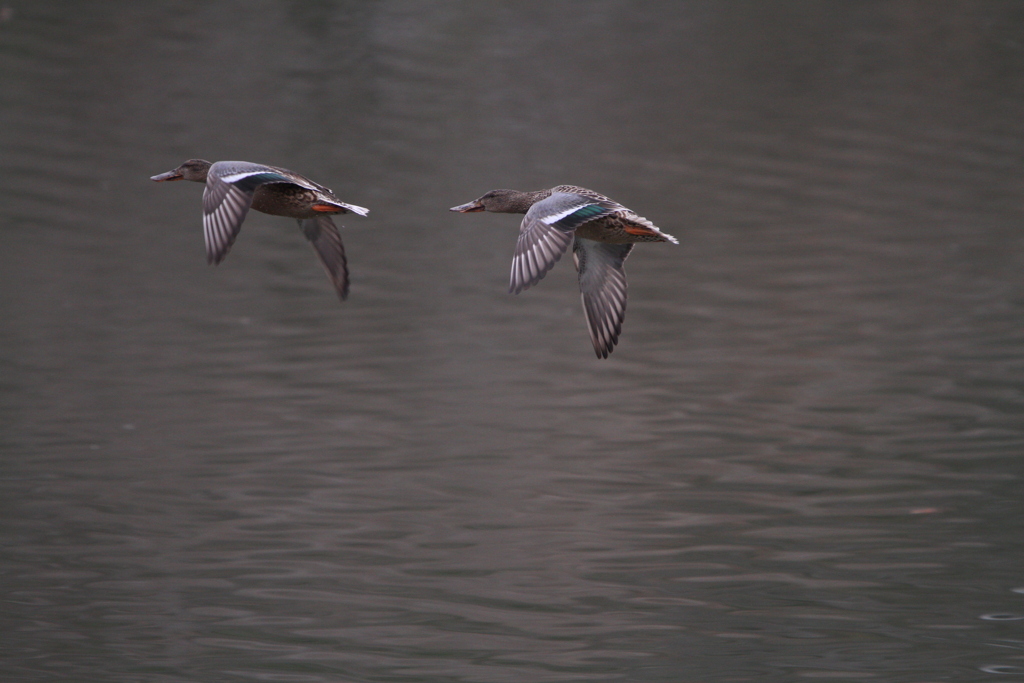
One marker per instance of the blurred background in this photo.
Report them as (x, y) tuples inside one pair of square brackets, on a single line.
[(803, 460)]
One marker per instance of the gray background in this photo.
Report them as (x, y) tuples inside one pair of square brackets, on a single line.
[(802, 462)]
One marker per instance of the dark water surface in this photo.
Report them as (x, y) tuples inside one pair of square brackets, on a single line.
[(803, 461)]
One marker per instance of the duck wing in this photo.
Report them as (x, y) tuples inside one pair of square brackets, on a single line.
[(326, 240), (603, 290), (546, 231), (227, 198)]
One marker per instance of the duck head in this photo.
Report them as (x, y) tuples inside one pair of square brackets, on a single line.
[(502, 201), (193, 169)]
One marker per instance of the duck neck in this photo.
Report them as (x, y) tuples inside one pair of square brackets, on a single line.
[(520, 202)]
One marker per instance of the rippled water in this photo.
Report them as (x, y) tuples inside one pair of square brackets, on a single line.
[(803, 461)]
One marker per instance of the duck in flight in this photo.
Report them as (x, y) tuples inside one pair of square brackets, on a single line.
[(602, 233), (232, 187)]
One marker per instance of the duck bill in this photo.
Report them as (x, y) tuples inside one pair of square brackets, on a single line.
[(469, 207), (170, 175)]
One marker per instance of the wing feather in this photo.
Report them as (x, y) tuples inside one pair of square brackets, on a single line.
[(326, 240), (538, 249), (547, 231), (225, 206), (602, 290)]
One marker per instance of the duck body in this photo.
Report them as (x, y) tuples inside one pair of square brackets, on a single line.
[(287, 199), (233, 187), (602, 233)]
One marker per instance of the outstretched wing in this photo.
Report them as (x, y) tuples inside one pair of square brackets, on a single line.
[(226, 200), (326, 240), (546, 232), (603, 290)]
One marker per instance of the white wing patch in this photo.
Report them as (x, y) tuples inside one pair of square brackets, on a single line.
[(235, 177), (555, 217)]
